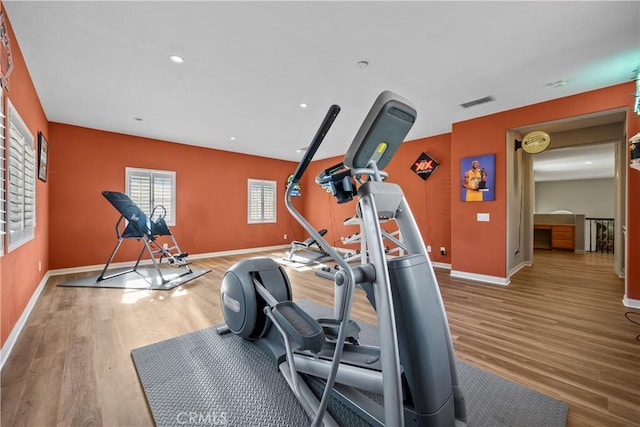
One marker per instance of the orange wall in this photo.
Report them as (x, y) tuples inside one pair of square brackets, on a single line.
[(485, 135), (19, 274), (479, 247), (211, 195), (633, 215), (429, 200)]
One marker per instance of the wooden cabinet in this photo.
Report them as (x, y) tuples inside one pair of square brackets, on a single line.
[(554, 236), (542, 236), (563, 237)]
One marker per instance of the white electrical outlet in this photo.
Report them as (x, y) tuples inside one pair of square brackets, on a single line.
[(443, 251), (483, 217), (429, 248), (284, 237)]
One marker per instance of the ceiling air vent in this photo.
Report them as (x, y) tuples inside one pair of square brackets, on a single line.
[(478, 101)]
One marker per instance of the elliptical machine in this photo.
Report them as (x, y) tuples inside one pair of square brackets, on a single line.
[(414, 367)]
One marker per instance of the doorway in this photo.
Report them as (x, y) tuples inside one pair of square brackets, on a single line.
[(572, 140), (578, 180)]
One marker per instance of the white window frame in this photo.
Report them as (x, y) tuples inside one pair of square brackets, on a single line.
[(262, 207), (21, 181), (131, 174)]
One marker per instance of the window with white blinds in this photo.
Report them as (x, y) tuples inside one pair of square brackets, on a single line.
[(149, 188), (21, 182), (262, 201), (3, 193)]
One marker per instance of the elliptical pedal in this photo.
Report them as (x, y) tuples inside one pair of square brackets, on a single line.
[(300, 326)]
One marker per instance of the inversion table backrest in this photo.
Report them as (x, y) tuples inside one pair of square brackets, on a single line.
[(139, 224)]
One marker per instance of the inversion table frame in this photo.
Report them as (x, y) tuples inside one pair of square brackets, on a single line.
[(143, 228)]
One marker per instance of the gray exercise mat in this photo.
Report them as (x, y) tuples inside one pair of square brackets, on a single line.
[(204, 377), (142, 278)]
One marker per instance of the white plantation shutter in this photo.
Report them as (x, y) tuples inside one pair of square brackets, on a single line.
[(149, 188), (255, 201), (261, 201), (163, 193), (3, 193), (269, 202), (140, 190), (21, 182), (30, 186)]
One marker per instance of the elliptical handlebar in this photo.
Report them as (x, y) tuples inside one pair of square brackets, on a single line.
[(300, 170), (315, 143), (344, 305)]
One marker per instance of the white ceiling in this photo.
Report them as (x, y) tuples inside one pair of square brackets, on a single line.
[(248, 65)]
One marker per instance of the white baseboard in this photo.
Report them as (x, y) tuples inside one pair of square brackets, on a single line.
[(238, 252), (5, 351), (631, 303), (99, 267), (519, 267), (503, 281), (441, 265)]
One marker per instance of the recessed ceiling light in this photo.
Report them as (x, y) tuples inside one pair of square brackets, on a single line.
[(362, 64), (557, 83), (304, 105), (588, 163), (177, 59), (233, 138), (139, 119)]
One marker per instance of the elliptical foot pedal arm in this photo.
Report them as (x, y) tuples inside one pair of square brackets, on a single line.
[(331, 328)]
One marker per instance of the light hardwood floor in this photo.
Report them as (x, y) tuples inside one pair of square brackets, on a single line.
[(558, 328)]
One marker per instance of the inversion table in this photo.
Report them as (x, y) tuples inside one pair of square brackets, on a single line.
[(146, 229)]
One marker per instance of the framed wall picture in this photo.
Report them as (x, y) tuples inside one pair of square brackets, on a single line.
[(43, 157), (477, 178), (424, 166)]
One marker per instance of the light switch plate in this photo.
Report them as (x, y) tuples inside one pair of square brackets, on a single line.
[(483, 217)]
